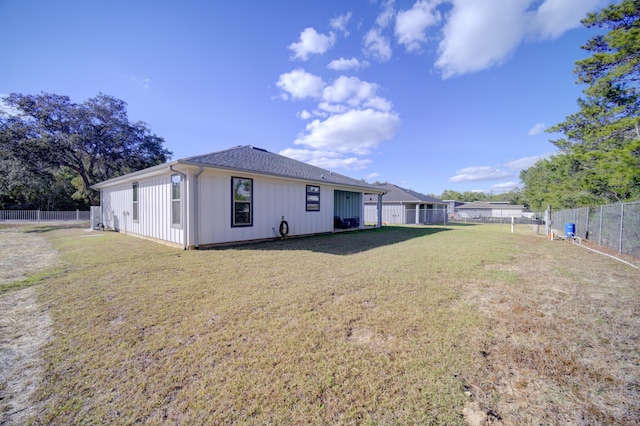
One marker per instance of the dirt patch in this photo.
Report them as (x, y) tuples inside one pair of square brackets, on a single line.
[(23, 253), (552, 332), (24, 326)]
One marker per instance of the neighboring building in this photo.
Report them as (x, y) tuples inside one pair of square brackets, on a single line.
[(452, 207), (402, 206), (493, 209), (240, 194)]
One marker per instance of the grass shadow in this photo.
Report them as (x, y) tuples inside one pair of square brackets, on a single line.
[(343, 243), (40, 229)]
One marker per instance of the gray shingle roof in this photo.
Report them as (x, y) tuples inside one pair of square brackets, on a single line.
[(255, 160), (401, 195)]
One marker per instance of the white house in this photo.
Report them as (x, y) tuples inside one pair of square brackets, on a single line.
[(403, 206), (240, 194)]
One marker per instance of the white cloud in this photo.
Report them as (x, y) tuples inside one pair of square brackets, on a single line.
[(328, 107), (478, 35), (326, 159), (482, 34), (509, 170), (301, 84), (377, 46), (378, 103), (373, 175), (343, 64), (304, 114), (524, 162), (340, 23), (537, 129), (349, 90), (311, 42), (480, 173), (145, 83), (351, 119), (356, 131), (385, 17), (503, 187), (554, 17), (411, 24)]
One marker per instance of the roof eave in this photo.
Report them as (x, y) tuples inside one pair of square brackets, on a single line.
[(371, 189)]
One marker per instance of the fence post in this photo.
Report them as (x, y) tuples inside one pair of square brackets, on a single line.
[(38, 216), (586, 226), (600, 230), (621, 226), (77, 215)]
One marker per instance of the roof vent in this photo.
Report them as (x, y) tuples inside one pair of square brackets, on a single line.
[(259, 149)]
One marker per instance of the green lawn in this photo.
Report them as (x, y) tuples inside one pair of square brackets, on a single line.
[(401, 325)]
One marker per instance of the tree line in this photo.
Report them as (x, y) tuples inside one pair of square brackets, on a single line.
[(52, 150), (598, 159)]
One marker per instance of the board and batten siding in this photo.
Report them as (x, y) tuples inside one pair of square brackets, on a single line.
[(273, 199), (154, 209), (348, 204), (393, 213), (371, 213)]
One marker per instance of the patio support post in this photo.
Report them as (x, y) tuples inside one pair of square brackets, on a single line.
[(379, 210)]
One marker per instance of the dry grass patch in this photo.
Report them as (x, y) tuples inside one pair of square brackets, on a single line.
[(562, 346), (23, 252), (401, 325), (325, 330)]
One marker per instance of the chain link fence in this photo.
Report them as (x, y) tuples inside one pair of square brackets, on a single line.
[(616, 226)]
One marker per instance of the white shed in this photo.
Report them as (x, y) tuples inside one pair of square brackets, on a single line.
[(489, 209), (236, 195)]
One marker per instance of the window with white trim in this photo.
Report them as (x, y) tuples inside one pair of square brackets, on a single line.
[(176, 201), (134, 209)]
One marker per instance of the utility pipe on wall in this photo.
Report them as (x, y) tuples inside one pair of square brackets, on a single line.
[(185, 222), (196, 209)]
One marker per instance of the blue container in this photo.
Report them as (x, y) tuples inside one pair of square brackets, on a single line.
[(570, 230)]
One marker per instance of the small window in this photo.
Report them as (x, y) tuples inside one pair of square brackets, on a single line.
[(242, 201), (176, 201), (313, 198), (134, 209)]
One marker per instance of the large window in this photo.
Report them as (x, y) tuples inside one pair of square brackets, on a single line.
[(134, 209), (241, 201), (176, 201)]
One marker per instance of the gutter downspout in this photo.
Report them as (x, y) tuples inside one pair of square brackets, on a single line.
[(185, 221), (196, 209), (380, 209)]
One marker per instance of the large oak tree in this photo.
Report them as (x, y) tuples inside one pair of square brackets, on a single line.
[(46, 134)]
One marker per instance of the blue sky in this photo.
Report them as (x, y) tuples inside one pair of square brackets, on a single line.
[(429, 95)]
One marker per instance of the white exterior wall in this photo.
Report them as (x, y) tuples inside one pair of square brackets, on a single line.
[(371, 213), (154, 209), (506, 213), (393, 213), (272, 199)]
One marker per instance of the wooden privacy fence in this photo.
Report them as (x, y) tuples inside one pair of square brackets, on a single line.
[(37, 216)]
